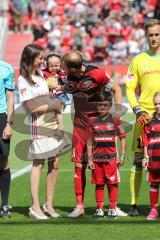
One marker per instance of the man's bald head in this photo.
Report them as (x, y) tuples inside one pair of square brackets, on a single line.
[(72, 59)]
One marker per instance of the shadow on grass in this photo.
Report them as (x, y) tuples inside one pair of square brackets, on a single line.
[(87, 219), (144, 209)]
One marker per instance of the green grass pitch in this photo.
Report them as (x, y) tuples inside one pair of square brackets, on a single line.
[(20, 226)]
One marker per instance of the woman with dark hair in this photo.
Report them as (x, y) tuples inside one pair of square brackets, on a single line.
[(44, 143)]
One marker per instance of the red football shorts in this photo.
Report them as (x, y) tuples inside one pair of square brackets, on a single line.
[(105, 173), (79, 154), (153, 176)]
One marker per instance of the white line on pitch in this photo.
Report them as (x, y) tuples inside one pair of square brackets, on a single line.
[(21, 172), (18, 173)]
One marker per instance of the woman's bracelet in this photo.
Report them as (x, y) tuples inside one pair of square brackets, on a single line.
[(9, 122)]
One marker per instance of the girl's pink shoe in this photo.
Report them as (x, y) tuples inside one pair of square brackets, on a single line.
[(153, 215)]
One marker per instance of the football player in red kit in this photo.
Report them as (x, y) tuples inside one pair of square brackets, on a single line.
[(103, 130), (151, 161), (84, 82)]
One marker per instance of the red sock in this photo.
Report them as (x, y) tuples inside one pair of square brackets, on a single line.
[(113, 195), (79, 184), (154, 192), (99, 194)]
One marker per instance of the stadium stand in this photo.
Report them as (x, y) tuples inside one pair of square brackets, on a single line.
[(105, 31), (3, 27)]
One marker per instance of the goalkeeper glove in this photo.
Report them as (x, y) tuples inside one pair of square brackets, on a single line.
[(142, 116)]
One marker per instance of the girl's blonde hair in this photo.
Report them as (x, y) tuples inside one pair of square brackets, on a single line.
[(157, 94)]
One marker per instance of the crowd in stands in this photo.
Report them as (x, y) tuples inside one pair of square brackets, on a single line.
[(105, 31)]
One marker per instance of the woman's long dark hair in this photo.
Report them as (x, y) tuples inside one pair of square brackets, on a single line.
[(30, 52)]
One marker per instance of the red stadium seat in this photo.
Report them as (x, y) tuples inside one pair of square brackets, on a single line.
[(62, 2), (59, 10)]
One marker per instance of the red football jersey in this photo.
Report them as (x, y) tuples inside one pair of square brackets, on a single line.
[(151, 140), (104, 134), (88, 85)]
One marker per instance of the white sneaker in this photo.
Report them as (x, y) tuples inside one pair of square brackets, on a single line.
[(112, 213), (120, 213), (99, 213), (32, 213), (77, 212), (51, 214)]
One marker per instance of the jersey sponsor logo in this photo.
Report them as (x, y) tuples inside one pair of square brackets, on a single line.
[(130, 76), (156, 140), (86, 85), (104, 138), (152, 72), (23, 91)]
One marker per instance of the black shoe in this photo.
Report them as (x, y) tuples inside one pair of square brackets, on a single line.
[(4, 212), (134, 211)]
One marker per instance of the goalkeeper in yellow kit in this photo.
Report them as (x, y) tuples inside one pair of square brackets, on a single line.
[(143, 72)]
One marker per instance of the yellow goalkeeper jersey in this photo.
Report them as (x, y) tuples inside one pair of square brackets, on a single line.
[(144, 71)]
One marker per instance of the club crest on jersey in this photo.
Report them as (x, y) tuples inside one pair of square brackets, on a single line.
[(130, 76), (112, 178), (109, 126)]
